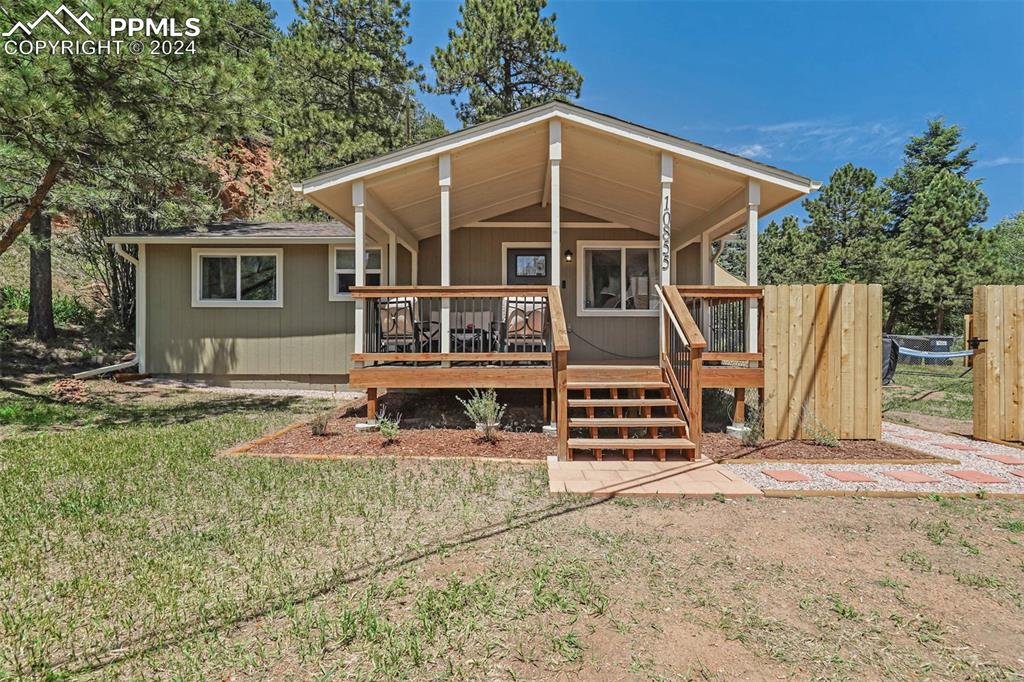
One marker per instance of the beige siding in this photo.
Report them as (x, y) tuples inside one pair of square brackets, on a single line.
[(476, 259), (688, 265), (309, 335), (404, 270)]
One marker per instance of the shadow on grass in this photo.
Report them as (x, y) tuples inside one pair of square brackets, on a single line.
[(131, 648)]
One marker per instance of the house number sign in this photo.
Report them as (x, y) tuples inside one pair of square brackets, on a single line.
[(666, 237)]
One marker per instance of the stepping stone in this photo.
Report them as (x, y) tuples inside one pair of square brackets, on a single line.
[(850, 477), (1018, 472), (911, 477), (958, 447), (785, 475), (1004, 459), (974, 476)]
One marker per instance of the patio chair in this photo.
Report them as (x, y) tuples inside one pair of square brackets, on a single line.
[(399, 331), (524, 328)]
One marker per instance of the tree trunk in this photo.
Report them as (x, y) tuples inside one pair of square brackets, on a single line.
[(894, 308), (35, 202), (40, 306), (940, 319)]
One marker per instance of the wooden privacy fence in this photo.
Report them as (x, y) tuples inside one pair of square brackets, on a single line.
[(999, 363), (823, 360)]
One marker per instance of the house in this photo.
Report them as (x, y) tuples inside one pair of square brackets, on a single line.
[(556, 248)]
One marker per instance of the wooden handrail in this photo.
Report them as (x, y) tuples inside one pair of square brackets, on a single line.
[(559, 331), (455, 291), (681, 315), (715, 291)]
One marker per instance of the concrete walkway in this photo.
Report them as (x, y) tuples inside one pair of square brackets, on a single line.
[(702, 478)]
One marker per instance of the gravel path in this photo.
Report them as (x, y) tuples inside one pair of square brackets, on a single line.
[(200, 386), (907, 436)]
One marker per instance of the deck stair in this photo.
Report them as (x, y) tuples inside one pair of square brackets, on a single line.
[(625, 409)]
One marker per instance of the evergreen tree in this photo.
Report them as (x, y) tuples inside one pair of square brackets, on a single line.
[(783, 254), (938, 248), (846, 230), (925, 156), (1003, 248), (347, 83), (501, 53)]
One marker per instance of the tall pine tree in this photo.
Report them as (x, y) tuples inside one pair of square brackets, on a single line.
[(783, 254), (347, 83), (501, 54)]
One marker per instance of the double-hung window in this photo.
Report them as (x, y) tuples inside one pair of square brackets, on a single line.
[(343, 270), (616, 278), (243, 278)]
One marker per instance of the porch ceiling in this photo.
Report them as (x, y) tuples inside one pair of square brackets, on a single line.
[(603, 174)]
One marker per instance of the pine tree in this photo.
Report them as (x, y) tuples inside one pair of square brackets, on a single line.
[(939, 247), (347, 83), (1003, 248), (846, 230), (501, 54), (783, 254)]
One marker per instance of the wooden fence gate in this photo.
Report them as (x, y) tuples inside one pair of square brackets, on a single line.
[(999, 363), (823, 360)]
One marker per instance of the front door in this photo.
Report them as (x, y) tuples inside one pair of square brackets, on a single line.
[(528, 265)]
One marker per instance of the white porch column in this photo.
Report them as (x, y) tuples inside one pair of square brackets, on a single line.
[(414, 264), (666, 219), (753, 204), (707, 266), (444, 180), (359, 207), (555, 159), (392, 259)]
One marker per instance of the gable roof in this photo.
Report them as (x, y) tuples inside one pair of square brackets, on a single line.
[(570, 112), (265, 232)]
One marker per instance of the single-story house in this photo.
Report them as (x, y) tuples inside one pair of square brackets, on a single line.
[(483, 257)]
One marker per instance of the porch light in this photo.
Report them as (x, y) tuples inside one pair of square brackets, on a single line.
[(568, 255)]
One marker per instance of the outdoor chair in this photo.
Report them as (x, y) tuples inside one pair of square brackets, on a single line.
[(399, 331), (524, 327)]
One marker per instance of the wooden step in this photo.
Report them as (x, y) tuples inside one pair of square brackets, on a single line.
[(575, 386), (631, 444), (608, 422), (621, 402)]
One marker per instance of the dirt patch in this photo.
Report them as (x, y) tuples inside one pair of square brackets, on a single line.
[(934, 423), (723, 448)]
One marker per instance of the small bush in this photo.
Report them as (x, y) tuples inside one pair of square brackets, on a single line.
[(69, 310), (14, 299), (388, 426), (318, 424), (817, 432), (484, 409)]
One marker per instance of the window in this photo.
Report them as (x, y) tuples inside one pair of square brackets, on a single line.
[(618, 279), (343, 277), (241, 277)]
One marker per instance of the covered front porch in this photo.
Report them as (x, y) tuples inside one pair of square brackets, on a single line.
[(512, 252)]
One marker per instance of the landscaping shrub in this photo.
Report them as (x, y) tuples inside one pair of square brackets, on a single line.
[(817, 432), (318, 424), (388, 426), (483, 409), (754, 421)]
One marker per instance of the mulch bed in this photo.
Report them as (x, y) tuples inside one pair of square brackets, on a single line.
[(343, 440), (723, 448)]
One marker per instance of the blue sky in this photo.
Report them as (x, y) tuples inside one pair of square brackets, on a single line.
[(807, 86)]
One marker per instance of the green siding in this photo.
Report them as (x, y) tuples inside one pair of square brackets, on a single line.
[(309, 335)]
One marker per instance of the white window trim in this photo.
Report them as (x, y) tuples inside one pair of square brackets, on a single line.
[(505, 246), (333, 271), (197, 274), (581, 284)]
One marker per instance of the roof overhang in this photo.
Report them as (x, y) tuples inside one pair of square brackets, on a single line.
[(222, 240)]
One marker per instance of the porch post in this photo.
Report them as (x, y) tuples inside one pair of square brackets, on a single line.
[(666, 219), (359, 207), (753, 204), (707, 277), (555, 159), (392, 259), (444, 180)]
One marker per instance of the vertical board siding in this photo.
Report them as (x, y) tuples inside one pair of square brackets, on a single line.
[(822, 359), (999, 363), (309, 335)]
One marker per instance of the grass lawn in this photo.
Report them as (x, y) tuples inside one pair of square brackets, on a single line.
[(933, 397), (130, 550)]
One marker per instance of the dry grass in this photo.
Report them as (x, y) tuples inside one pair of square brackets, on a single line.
[(131, 551)]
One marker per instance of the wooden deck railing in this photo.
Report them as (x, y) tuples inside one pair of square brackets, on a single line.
[(468, 324), (682, 348), (560, 368)]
